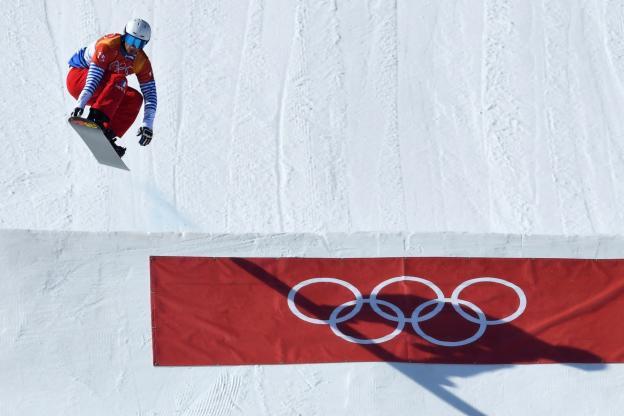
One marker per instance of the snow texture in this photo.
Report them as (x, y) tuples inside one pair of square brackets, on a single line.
[(336, 128), (75, 336), (329, 116)]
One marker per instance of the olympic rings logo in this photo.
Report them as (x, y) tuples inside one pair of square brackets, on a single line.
[(416, 317)]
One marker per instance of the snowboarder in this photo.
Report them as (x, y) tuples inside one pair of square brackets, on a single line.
[(97, 77)]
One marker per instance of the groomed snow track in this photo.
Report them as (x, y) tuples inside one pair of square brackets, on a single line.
[(75, 335)]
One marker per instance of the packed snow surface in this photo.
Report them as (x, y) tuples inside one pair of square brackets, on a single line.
[(75, 336), (293, 127), (324, 116)]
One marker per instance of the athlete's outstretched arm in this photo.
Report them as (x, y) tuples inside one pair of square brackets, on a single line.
[(150, 99)]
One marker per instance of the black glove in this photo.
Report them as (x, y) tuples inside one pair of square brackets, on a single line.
[(77, 112), (146, 136)]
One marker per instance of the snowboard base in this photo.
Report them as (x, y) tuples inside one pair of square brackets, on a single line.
[(95, 140)]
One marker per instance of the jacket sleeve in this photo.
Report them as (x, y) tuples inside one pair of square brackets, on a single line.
[(148, 89), (99, 60), (94, 76)]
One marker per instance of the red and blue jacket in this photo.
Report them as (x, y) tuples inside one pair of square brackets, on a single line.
[(108, 54)]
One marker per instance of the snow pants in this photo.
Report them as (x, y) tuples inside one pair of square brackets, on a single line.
[(113, 97)]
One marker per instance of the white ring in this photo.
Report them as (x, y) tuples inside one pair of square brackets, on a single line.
[(415, 317), (429, 284), (521, 297), (482, 323), (293, 307), (333, 323)]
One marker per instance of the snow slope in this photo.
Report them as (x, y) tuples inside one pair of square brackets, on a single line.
[(75, 336), (324, 116), (292, 127)]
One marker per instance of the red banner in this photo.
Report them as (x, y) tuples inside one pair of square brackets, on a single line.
[(218, 311)]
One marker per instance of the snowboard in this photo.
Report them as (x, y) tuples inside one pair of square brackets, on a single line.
[(95, 140)]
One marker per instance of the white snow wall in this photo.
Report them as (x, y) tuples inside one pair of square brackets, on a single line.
[(75, 336), (329, 116)]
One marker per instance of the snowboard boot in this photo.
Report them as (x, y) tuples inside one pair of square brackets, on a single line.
[(119, 149), (112, 139), (100, 118)]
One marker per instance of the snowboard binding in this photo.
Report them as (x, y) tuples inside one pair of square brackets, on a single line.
[(100, 118)]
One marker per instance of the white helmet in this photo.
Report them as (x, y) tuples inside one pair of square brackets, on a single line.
[(139, 28)]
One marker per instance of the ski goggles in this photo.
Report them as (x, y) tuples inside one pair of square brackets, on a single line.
[(134, 41)]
